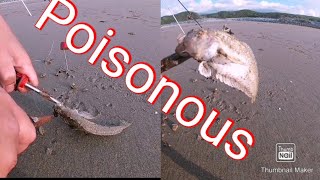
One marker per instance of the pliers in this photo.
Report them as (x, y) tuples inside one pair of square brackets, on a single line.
[(22, 81)]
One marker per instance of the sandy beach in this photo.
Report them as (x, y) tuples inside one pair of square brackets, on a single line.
[(286, 109), (65, 152)]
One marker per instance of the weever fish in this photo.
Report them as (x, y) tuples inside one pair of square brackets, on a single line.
[(81, 121), (224, 56)]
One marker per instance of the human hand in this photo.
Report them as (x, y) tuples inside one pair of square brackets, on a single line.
[(16, 133), (13, 58)]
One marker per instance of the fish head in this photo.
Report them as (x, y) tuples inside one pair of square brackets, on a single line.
[(194, 43)]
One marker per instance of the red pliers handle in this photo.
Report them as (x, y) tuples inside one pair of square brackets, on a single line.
[(21, 81)]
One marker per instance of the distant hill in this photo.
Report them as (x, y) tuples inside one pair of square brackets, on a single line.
[(183, 16), (280, 17), (233, 14), (250, 13)]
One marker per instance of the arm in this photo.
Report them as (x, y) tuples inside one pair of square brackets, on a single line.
[(16, 129), (16, 132)]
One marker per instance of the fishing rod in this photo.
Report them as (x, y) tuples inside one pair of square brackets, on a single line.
[(190, 14), (176, 21)]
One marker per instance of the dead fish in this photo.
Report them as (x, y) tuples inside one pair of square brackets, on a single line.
[(223, 56), (81, 121)]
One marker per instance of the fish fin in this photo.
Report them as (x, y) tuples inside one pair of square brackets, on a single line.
[(238, 76), (204, 69), (87, 115)]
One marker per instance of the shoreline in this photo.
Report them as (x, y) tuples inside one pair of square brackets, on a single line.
[(245, 19)]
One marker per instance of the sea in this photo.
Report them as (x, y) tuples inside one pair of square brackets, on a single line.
[(291, 21)]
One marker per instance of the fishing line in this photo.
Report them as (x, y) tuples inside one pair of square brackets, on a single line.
[(26, 7), (190, 14), (176, 20)]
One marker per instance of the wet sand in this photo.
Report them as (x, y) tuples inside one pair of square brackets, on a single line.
[(286, 109), (65, 152)]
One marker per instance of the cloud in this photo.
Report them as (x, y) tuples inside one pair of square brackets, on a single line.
[(240, 2), (192, 5), (306, 7)]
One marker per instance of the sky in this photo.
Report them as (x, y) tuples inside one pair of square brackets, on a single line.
[(303, 7)]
